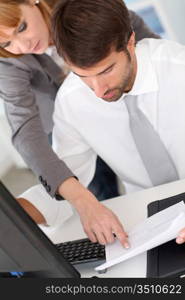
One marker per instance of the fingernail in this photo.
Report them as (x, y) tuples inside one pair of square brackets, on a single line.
[(126, 245)]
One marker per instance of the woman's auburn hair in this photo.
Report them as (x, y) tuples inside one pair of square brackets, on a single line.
[(10, 15)]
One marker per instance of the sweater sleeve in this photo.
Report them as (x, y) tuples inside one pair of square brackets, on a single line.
[(28, 135)]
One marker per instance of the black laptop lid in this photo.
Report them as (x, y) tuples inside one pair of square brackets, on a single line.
[(167, 260)]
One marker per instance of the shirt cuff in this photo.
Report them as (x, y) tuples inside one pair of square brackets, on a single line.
[(54, 212)]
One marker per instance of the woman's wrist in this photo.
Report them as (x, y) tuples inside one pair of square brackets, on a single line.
[(73, 191)]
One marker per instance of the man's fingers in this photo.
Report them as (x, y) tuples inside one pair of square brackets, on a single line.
[(181, 237), (122, 237)]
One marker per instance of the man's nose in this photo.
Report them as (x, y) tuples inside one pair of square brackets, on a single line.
[(99, 87)]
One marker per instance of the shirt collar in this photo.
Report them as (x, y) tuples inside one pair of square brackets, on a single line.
[(146, 79), (49, 50)]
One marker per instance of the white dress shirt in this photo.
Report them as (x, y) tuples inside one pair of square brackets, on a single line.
[(55, 212), (86, 126)]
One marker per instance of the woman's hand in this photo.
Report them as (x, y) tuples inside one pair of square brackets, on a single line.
[(99, 223)]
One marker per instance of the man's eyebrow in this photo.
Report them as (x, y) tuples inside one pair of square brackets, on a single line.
[(105, 70)]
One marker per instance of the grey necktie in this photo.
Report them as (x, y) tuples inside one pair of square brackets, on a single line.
[(157, 161)]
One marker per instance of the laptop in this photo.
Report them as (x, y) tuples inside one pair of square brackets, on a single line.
[(167, 260), (26, 251)]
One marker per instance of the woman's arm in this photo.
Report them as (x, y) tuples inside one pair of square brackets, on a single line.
[(28, 135)]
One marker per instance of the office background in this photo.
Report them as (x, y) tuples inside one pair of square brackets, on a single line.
[(166, 17), (170, 13)]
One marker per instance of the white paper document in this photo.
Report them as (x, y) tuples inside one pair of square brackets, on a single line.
[(154, 231)]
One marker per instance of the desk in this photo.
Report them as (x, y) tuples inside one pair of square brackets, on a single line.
[(130, 209)]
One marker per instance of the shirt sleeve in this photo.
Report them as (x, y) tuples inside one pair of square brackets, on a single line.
[(140, 28), (55, 212), (70, 146), (28, 135)]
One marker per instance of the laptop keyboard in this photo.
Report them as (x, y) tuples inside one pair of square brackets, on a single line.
[(81, 251)]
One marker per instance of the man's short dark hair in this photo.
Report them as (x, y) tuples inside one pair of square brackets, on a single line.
[(85, 31)]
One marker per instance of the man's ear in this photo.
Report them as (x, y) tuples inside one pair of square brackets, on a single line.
[(131, 43)]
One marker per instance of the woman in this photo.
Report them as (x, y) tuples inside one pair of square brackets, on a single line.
[(29, 80)]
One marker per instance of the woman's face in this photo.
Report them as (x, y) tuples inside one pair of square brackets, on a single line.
[(31, 36)]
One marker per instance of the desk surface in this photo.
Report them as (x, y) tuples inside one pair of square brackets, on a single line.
[(130, 209)]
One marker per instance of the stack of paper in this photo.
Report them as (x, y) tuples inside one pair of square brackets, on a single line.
[(154, 231)]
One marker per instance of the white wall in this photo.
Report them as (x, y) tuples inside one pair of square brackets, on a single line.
[(175, 11), (9, 157), (175, 15)]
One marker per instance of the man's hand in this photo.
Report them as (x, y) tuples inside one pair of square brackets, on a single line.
[(32, 211), (181, 237), (99, 222)]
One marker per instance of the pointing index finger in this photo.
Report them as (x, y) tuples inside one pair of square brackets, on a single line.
[(123, 238)]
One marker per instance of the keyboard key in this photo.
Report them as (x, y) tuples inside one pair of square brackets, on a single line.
[(80, 251)]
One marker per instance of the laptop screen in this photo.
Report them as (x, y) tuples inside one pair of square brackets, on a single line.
[(24, 247)]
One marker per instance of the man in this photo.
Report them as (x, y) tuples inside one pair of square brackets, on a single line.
[(93, 114)]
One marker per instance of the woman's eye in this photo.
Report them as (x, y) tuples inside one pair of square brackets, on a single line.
[(22, 27)]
